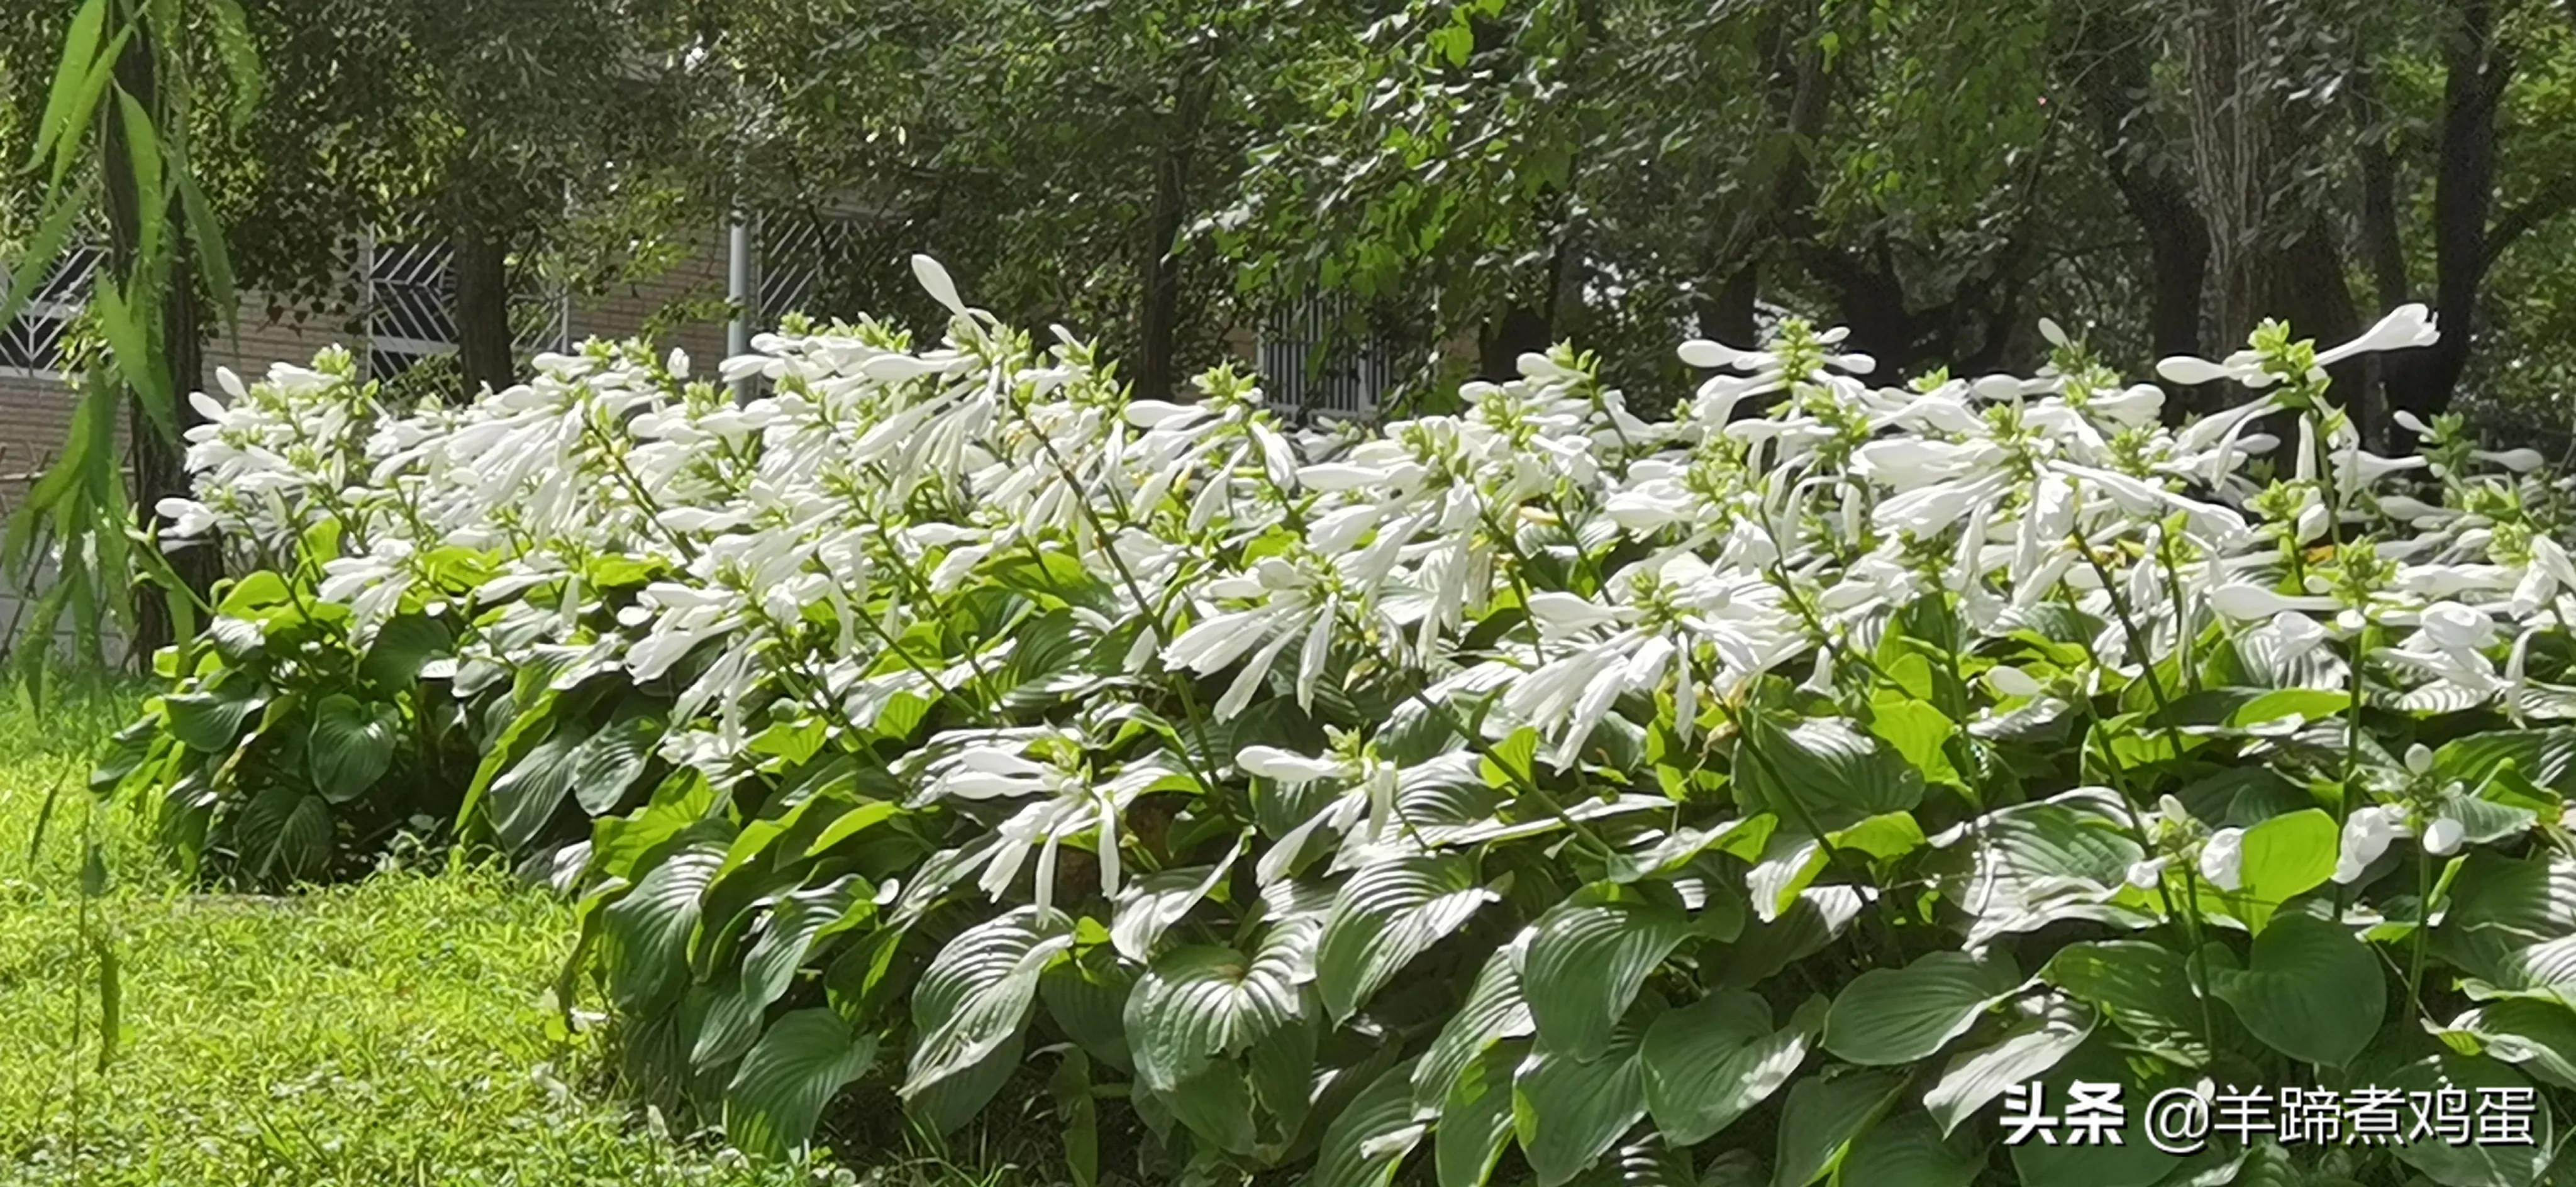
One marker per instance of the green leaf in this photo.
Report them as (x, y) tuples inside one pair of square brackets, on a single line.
[(795, 923), (1585, 961), (1822, 768), (402, 646), (644, 936), (351, 746), (2312, 704), (1823, 1114), (1893, 1016), (972, 1001), (1975, 1078), (2478, 1164), (211, 720), (608, 763), (240, 57), (284, 832), (1918, 731), (1386, 915), (1567, 1111), (2284, 857), (524, 799), (1476, 1116), (1373, 1133), (1150, 905), (2134, 1161), (80, 55), (1494, 1010), (2311, 990), (799, 1065), (130, 341), (2547, 757), (2145, 988), (2539, 1036), (83, 108), (1196, 1003), (1706, 1064), (1909, 1151)]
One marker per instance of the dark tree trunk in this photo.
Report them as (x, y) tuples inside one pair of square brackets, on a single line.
[(2421, 381), (2384, 251), (1725, 312), (1158, 315), (484, 343), (1521, 329), (1158, 319), (157, 456), (2112, 77)]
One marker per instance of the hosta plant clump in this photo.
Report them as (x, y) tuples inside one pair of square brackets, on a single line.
[(1537, 793)]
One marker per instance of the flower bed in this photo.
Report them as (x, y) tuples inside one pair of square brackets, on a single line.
[(1772, 791)]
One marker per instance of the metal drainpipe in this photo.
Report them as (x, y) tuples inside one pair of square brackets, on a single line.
[(738, 291)]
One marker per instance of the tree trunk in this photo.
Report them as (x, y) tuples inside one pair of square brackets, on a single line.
[(158, 458), (2476, 70), (1158, 322), (2114, 80), (480, 269), (2384, 251), (1521, 329), (1725, 312)]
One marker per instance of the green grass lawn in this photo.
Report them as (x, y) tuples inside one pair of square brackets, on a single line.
[(383, 1033)]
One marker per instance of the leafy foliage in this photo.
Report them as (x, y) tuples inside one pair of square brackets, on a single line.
[(1767, 789)]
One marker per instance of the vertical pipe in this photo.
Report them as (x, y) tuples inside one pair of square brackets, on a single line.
[(738, 284)]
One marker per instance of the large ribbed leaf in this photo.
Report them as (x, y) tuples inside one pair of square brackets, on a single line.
[(351, 745), (524, 798), (2143, 987), (977, 992), (644, 936), (1584, 962), (1823, 1114), (1566, 1111), (1493, 1010), (1975, 1078), (1199, 1002), (2545, 756), (1824, 769), (800, 1063), (1476, 1116), (2538, 1035), (1894, 1016), (1909, 1151), (2311, 990), (1707, 1063), (2474, 1164), (1150, 905), (1386, 915), (2282, 857), (284, 832), (794, 923), (1371, 1135), (610, 761)]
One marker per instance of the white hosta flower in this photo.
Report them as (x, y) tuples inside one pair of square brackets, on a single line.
[(2292, 634), (2419, 759), (2367, 834), (2245, 600), (2149, 873), (2222, 859), (1369, 790), (2405, 327), (2012, 681), (2442, 837)]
